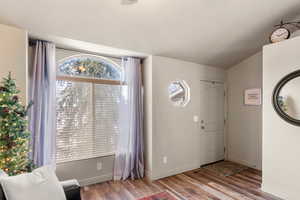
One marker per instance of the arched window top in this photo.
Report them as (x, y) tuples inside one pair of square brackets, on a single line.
[(89, 66)]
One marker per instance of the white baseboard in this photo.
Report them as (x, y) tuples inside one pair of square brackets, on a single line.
[(243, 162), (148, 175), (272, 191), (96, 179)]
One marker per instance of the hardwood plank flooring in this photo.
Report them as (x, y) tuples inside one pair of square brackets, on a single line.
[(192, 185)]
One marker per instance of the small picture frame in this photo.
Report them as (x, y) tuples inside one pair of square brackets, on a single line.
[(252, 97)]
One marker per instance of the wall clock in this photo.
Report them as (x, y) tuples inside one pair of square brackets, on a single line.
[(279, 35)]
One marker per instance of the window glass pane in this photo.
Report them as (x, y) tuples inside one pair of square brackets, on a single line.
[(89, 66)]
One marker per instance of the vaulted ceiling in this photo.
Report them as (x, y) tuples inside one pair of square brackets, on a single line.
[(212, 32)]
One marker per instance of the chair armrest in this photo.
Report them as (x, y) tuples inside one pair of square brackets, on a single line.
[(72, 189)]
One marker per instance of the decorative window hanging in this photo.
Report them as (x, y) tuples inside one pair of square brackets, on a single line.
[(89, 66)]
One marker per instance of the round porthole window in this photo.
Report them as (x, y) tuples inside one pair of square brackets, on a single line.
[(179, 93)]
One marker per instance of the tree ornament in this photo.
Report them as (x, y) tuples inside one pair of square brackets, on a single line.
[(3, 89), (5, 110), (15, 98)]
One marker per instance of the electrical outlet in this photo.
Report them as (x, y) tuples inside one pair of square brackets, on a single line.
[(165, 159), (99, 166), (196, 118)]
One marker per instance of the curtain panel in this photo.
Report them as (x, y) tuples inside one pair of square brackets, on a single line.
[(42, 115), (129, 159)]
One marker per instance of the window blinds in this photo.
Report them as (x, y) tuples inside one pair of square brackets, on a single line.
[(87, 116)]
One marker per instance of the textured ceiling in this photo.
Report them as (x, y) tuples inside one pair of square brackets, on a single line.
[(212, 32)]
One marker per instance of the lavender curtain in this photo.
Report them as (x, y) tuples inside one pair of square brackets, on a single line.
[(129, 160), (42, 115)]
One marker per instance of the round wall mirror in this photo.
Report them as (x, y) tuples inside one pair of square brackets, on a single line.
[(179, 93), (286, 98)]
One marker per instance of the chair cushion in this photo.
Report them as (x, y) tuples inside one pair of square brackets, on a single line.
[(34, 186)]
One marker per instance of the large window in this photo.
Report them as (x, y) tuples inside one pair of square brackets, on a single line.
[(87, 93)]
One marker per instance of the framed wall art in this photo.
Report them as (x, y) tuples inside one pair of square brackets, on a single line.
[(252, 97)]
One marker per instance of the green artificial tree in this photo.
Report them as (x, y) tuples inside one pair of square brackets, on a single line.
[(14, 137)]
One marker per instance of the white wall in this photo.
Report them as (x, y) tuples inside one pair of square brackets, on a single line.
[(85, 171), (13, 56), (174, 133), (281, 147), (244, 123)]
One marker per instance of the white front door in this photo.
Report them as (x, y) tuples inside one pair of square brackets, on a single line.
[(211, 121)]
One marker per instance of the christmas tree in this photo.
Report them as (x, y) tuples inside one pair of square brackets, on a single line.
[(14, 137)]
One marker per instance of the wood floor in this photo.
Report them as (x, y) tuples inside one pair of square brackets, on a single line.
[(192, 185)]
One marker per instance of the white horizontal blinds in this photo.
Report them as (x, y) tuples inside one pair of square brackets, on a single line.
[(87, 116), (106, 100), (74, 120)]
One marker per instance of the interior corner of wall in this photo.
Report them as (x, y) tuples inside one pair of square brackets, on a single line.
[(148, 175)]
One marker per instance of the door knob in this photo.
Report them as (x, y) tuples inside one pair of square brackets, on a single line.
[(202, 127)]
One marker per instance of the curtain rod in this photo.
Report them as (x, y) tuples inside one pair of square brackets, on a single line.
[(32, 42)]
